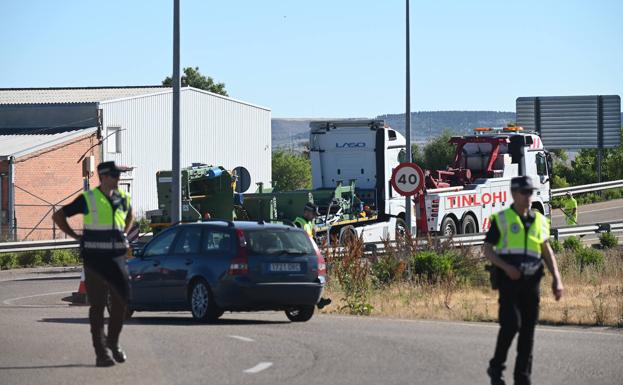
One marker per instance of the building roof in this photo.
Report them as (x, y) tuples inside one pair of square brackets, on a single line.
[(73, 95), (20, 145)]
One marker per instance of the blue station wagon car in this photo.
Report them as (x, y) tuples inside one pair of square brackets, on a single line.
[(217, 266)]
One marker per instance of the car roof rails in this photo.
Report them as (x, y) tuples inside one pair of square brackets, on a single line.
[(228, 222)]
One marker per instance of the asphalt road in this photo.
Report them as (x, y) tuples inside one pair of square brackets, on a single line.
[(609, 211), (45, 341)]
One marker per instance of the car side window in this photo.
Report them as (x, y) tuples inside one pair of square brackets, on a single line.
[(188, 241), (217, 241), (161, 244)]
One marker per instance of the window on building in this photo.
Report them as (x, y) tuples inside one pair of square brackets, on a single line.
[(113, 139)]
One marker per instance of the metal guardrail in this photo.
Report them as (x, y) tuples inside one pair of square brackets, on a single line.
[(587, 188), (458, 240)]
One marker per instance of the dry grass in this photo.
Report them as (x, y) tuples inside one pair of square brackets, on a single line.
[(593, 296)]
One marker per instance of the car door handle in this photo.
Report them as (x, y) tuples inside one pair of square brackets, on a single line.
[(189, 261)]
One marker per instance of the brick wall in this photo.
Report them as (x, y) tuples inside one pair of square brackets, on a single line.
[(50, 177)]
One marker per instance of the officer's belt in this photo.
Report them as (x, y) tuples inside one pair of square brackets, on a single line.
[(104, 245)]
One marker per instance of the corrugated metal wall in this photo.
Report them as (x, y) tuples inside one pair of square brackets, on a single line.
[(571, 122), (214, 130)]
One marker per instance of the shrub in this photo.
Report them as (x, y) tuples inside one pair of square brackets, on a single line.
[(432, 265), (556, 246), (387, 269), (352, 273), (31, 258), (64, 257), (8, 261), (572, 244), (588, 256), (613, 194), (608, 240)]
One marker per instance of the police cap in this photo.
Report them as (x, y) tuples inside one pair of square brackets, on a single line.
[(522, 183), (110, 168)]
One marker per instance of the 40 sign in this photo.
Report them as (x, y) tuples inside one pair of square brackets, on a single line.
[(408, 179)]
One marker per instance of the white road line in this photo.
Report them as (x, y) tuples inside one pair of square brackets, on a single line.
[(11, 300), (241, 338), (259, 367)]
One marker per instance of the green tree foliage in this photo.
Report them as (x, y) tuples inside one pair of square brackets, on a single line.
[(290, 171), (438, 153), (193, 78)]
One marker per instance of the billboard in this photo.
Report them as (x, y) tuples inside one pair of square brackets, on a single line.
[(572, 122)]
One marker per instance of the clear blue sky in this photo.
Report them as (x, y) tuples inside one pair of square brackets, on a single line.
[(339, 58)]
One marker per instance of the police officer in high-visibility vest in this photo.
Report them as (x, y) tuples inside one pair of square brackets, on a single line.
[(107, 218), (570, 209), (306, 222), (518, 245)]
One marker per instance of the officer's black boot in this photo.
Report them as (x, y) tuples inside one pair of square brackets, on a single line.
[(102, 358), (117, 353), (495, 374), (323, 302)]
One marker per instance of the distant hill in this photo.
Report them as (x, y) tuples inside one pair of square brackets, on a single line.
[(293, 133)]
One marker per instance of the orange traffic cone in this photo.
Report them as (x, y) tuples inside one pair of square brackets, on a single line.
[(80, 296)]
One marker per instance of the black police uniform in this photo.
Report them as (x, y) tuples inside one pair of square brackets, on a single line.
[(518, 312), (104, 272)]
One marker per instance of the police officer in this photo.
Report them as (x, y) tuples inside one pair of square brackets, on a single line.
[(107, 217), (518, 244), (570, 209), (310, 211), (306, 222)]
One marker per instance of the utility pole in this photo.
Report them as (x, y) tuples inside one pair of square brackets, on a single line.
[(408, 200), (176, 193)]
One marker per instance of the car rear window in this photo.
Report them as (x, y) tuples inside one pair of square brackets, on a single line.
[(277, 241)]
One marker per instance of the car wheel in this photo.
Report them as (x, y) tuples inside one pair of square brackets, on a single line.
[(448, 227), (468, 225), (301, 313), (202, 305)]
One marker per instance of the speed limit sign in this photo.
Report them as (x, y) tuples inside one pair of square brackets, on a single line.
[(408, 179)]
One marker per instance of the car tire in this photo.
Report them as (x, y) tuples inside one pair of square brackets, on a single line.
[(300, 313), (448, 227), (468, 225), (201, 302)]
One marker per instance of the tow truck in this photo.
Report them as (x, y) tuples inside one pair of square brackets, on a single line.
[(460, 199)]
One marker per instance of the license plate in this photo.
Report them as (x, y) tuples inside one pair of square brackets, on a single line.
[(284, 267)]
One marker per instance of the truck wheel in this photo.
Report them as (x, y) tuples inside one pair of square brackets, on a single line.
[(448, 227), (468, 225), (348, 235), (401, 228)]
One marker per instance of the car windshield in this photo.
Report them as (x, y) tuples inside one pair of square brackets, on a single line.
[(278, 241)]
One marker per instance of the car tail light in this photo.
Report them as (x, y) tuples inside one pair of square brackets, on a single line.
[(322, 265), (240, 263)]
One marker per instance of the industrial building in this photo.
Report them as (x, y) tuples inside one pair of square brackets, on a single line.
[(130, 125)]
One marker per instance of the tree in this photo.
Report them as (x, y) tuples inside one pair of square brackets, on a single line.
[(290, 171), (438, 153), (193, 78)]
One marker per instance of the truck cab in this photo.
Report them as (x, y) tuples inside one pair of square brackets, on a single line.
[(363, 152)]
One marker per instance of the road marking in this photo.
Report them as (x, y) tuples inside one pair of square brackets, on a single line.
[(259, 367), (11, 300), (241, 338)]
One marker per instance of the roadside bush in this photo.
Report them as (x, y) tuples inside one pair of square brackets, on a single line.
[(588, 256), (8, 261), (613, 194), (63, 257), (353, 274), (387, 269), (31, 258), (572, 244), (556, 246), (432, 265), (608, 240)]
